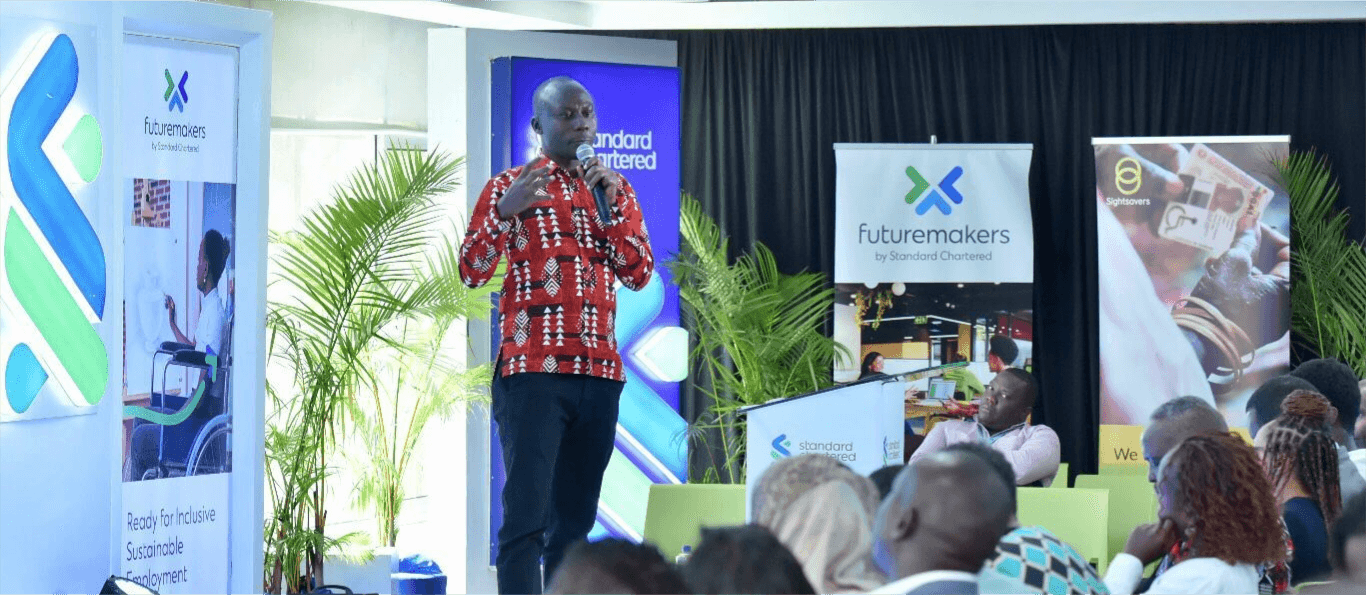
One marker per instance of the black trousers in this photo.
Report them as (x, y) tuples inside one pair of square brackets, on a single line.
[(556, 432)]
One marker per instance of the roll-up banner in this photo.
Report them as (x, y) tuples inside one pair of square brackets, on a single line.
[(1193, 250), (934, 256), (179, 212)]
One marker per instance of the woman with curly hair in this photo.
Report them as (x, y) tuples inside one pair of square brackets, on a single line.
[(1301, 461), (1212, 494)]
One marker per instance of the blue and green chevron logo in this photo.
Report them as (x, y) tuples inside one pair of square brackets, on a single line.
[(780, 447), (933, 198), (175, 96), (54, 265)]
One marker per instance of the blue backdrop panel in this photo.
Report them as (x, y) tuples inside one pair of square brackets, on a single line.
[(638, 135)]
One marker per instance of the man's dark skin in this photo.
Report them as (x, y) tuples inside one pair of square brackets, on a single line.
[(565, 118), (1164, 434), (1005, 404), (1151, 541), (945, 512)]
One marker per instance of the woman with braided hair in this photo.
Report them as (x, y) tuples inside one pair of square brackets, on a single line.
[(1301, 461), (1215, 498)]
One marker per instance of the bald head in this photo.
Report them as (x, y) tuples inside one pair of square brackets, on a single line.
[(543, 99), (565, 117), (1175, 421), (946, 512)]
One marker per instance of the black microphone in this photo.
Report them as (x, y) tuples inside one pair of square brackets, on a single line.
[(584, 153)]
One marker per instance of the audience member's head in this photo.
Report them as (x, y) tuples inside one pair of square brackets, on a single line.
[(1214, 490), (1265, 403), (1361, 417), (872, 364), (823, 512), (1339, 384), (1298, 450), (1347, 540), (615, 566), (1008, 401), (745, 559), (998, 463), (883, 478), (1175, 421), (946, 512), (1001, 353)]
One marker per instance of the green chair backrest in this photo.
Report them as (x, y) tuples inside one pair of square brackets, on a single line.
[(1062, 480), (1132, 503), (1076, 516), (675, 514), (1124, 469)]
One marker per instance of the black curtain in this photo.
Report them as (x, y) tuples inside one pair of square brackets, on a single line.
[(761, 110)]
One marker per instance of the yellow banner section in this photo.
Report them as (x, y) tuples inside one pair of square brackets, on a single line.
[(1121, 445)]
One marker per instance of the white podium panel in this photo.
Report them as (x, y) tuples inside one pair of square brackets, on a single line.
[(861, 425)]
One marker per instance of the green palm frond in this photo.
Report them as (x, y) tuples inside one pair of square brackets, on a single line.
[(758, 332), (1328, 270), (376, 256)]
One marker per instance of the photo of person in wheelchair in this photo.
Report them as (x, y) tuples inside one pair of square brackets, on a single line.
[(178, 434)]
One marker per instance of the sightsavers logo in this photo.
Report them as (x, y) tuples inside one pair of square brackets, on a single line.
[(54, 265), (1128, 176), (780, 447), (930, 197), (175, 95)]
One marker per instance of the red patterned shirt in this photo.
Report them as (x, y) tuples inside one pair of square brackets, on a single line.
[(557, 312)]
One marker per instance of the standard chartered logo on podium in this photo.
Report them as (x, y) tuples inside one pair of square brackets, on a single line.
[(780, 447), (53, 288)]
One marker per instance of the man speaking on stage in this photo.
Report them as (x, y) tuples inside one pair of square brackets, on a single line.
[(558, 376)]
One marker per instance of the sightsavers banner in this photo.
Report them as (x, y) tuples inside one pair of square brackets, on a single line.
[(1193, 247), (934, 255)]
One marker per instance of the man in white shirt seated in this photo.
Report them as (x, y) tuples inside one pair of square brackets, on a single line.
[(940, 523), (1033, 450)]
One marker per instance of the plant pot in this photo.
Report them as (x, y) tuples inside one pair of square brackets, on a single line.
[(370, 577)]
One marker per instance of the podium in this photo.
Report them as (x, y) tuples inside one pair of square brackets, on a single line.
[(861, 425)]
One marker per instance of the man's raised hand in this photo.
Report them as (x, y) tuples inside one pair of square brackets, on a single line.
[(527, 188)]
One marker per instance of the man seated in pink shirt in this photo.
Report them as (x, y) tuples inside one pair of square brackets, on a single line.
[(1033, 451)]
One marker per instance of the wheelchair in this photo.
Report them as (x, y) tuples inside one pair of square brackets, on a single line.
[(201, 444)]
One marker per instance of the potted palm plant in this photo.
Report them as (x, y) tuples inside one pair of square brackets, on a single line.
[(759, 335), (343, 285), (1328, 270), (417, 383)]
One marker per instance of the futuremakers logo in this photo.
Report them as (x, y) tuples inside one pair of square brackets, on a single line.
[(175, 95), (930, 197), (53, 287), (780, 447)]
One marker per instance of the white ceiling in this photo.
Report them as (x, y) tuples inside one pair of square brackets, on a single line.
[(821, 14)]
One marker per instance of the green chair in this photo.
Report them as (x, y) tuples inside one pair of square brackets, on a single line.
[(1132, 503), (1062, 480), (675, 514), (1076, 516), (1124, 469)]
